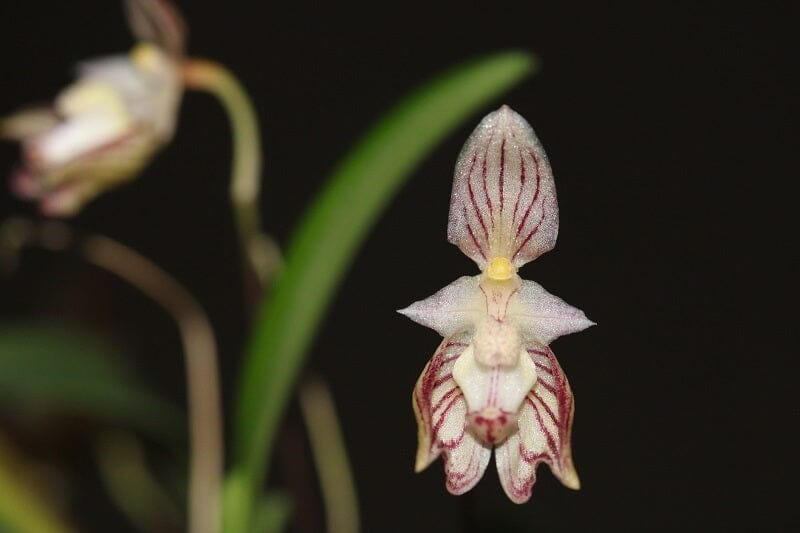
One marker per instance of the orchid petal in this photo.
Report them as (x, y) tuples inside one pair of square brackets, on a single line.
[(441, 417), (116, 72), (451, 310), (64, 190), (465, 464), (75, 137), (439, 405), (503, 202), (545, 426), (27, 122), (158, 22), (543, 317), (147, 80)]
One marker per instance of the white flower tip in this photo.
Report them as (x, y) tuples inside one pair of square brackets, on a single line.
[(423, 460), (508, 118), (565, 471), (568, 325), (424, 313), (570, 479), (413, 312)]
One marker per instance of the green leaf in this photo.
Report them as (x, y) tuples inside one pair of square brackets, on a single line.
[(272, 513), (22, 507), (331, 231), (51, 367)]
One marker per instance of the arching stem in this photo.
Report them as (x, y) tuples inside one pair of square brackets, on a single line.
[(263, 259), (261, 253)]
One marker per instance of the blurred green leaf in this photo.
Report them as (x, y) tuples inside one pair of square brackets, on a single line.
[(272, 513), (331, 231), (22, 508), (44, 366)]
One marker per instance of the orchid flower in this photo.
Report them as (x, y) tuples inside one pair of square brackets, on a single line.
[(494, 382), (105, 127)]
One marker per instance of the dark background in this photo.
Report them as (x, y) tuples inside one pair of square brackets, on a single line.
[(669, 128)]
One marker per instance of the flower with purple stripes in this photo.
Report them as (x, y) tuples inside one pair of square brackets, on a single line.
[(105, 127), (494, 382)]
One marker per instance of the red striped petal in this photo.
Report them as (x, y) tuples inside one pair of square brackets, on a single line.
[(504, 200), (439, 404), (544, 436), (465, 464), (441, 413)]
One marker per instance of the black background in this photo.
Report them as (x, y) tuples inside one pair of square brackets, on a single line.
[(669, 128)]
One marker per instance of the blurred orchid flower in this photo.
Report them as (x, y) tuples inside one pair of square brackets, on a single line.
[(493, 381), (105, 127)]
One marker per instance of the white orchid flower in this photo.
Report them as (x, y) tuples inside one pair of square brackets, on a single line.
[(494, 382), (105, 127)]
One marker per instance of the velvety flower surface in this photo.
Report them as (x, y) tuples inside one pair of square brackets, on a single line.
[(494, 383), (104, 128)]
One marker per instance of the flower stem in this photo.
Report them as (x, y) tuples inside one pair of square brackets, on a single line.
[(130, 484), (197, 337), (264, 260), (327, 444), (260, 251)]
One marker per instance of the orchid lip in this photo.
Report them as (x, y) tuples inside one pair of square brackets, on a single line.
[(492, 425)]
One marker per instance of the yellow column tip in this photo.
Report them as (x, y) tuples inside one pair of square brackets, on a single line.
[(145, 55), (500, 269)]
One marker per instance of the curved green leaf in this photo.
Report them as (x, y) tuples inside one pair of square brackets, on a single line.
[(51, 367), (331, 231)]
